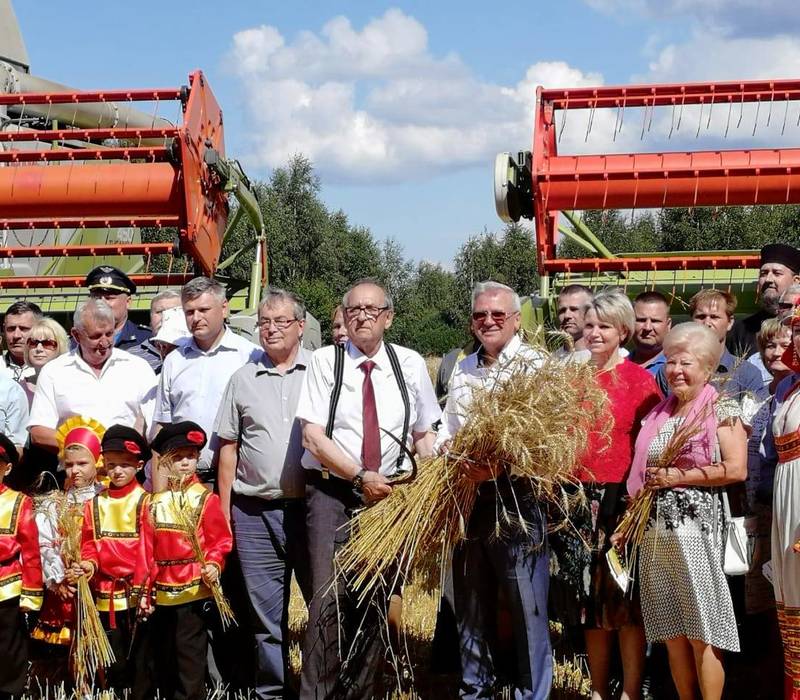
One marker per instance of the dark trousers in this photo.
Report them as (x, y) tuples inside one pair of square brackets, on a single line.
[(271, 542), (345, 642), (13, 649), (132, 667), (513, 566), (180, 643)]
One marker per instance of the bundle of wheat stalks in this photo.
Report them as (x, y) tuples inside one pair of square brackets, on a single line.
[(188, 519), (530, 420), (90, 648), (634, 521)]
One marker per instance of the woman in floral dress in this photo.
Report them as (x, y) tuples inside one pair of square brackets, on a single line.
[(684, 595)]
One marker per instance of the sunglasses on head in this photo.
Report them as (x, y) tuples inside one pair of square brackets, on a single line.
[(47, 343)]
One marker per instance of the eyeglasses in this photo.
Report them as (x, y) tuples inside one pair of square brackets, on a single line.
[(47, 343), (279, 323), (371, 312), (499, 317)]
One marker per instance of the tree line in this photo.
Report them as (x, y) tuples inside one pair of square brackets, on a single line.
[(316, 253)]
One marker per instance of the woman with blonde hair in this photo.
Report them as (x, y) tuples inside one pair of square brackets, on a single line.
[(47, 340), (685, 597), (582, 592)]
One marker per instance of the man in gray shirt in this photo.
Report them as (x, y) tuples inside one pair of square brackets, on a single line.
[(261, 482)]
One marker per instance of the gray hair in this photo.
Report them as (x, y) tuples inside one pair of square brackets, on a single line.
[(276, 294), (791, 291), (696, 339), (199, 286), (490, 286), (613, 306), (375, 283), (96, 309), (166, 294)]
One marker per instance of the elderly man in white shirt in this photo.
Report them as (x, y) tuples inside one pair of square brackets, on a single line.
[(194, 376), (516, 562), (94, 379), (352, 396)]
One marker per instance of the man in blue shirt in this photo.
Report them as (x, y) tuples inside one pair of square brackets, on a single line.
[(652, 323), (734, 377)]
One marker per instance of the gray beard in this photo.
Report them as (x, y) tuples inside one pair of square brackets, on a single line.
[(770, 304)]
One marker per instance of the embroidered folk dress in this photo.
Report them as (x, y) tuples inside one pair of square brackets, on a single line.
[(684, 592), (786, 532)]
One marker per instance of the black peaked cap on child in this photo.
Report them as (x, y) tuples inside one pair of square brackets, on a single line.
[(122, 438), (184, 434)]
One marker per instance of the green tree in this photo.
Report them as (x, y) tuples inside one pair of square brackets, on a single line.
[(508, 257)]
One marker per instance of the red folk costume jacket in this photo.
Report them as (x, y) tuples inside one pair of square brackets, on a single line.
[(111, 539), (174, 568), (20, 566)]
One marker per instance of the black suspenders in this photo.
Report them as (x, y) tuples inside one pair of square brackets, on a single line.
[(336, 392)]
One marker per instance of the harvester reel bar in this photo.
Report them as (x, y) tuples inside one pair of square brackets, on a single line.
[(713, 178), (148, 174)]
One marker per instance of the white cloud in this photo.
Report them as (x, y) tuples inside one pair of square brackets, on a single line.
[(731, 17), (376, 103)]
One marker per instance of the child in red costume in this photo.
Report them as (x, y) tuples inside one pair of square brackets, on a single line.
[(79, 451), (21, 587), (112, 555), (179, 581)]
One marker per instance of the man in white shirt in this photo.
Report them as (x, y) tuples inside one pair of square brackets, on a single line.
[(94, 379), (516, 561), (194, 376), (349, 457)]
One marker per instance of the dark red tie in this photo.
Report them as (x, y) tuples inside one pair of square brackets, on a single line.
[(371, 447)]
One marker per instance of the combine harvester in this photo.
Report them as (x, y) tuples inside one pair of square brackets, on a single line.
[(82, 172), (543, 185)]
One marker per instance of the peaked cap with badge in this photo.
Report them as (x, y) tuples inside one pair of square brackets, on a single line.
[(108, 278)]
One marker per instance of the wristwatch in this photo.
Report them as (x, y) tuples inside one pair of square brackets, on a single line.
[(358, 481)]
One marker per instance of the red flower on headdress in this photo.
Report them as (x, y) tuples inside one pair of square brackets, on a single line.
[(195, 437), (132, 447), (3, 452)]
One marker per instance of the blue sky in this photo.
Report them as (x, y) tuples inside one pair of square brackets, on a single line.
[(402, 105)]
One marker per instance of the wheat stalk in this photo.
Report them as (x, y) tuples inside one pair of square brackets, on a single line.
[(531, 423), (188, 520), (633, 525), (90, 648)]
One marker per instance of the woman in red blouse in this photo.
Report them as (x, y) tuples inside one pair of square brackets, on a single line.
[(582, 592)]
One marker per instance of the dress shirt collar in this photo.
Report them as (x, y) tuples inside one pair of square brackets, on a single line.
[(78, 361), (506, 354), (266, 366), (226, 342), (380, 358)]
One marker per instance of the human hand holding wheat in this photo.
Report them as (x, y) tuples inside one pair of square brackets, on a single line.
[(660, 478)]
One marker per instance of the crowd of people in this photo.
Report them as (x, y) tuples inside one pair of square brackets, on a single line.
[(195, 461)]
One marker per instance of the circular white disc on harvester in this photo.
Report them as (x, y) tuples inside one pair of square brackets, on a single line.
[(504, 170)]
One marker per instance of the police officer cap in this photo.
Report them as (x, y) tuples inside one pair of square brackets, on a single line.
[(8, 452), (107, 278), (121, 438), (183, 434), (783, 254)]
